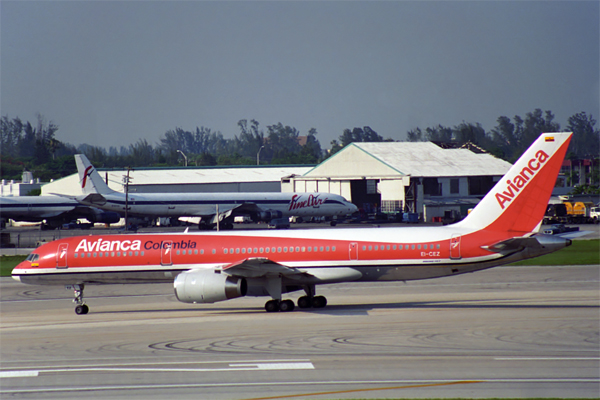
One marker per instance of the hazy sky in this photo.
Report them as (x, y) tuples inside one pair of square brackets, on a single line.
[(112, 72)]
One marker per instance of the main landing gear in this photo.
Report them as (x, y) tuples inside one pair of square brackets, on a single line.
[(276, 305), (308, 301), (81, 307), (314, 302)]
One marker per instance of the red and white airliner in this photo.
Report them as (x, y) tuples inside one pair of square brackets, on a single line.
[(211, 267)]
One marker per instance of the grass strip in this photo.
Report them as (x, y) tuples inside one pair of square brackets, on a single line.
[(581, 252), (7, 263)]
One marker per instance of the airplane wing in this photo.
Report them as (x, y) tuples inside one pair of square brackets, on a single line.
[(261, 267), (241, 209), (226, 213)]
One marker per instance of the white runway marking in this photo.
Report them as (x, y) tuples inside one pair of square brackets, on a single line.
[(18, 374), (545, 358), (275, 366), (232, 367)]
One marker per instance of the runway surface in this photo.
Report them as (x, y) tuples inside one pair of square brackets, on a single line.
[(504, 332)]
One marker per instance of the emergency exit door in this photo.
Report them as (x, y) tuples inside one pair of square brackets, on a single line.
[(455, 247)]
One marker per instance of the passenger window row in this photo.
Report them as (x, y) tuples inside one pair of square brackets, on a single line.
[(401, 247), (284, 249), (132, 253), (266, 250), (110, 254)]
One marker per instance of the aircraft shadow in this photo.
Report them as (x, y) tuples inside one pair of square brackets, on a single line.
[(364, 308)]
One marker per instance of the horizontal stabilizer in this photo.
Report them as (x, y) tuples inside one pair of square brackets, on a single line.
[(513, 245), (94, 199)]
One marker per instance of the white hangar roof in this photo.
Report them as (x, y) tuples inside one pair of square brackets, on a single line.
[(181, 175), (416, 159)]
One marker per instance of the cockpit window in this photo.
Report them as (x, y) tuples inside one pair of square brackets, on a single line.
[(33, 257)]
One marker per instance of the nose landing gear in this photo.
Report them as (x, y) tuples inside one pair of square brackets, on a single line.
[(81, 307)]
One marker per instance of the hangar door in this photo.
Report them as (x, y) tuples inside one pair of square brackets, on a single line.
[(365, 194)]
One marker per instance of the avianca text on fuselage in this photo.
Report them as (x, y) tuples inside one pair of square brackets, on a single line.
[(108, 245), (517, 183), (311, 201), (126, 245)]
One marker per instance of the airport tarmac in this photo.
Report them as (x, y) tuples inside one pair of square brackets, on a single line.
[(503, 332)]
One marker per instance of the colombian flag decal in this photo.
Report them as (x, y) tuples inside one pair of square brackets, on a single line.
[(549, 138)]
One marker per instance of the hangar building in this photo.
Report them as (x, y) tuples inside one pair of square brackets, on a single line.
[(418, 177), (392, 177), (186, 179)]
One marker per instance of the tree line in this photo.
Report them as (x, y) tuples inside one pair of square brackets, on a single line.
[(34, 147)]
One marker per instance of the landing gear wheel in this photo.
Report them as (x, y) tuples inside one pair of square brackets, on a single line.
[(319, 301), (272, 306), (304, 302), (286, 305), (81, 309)]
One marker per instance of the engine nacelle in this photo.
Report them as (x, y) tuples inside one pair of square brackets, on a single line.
[(107, 217), (269, 215), (207, 286)]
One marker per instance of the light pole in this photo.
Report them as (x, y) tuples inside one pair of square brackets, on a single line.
[(184, 157), (258, 155)]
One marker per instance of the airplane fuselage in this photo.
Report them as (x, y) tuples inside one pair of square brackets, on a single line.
[(362, 254), (187, 204), (35, 208)]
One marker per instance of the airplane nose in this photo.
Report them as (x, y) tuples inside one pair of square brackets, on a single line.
[(21, 265)]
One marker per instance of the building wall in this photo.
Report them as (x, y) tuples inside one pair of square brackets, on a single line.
[(12, 188), (225, 187)]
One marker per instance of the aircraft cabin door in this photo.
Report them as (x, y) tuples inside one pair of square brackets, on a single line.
[(455, 247), (61, 255), (166, 253), (353, 251)]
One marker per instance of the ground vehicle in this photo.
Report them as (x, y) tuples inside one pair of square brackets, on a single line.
[(595, 214), (572, 212), (77, 225), (560, 228), (279, 223)]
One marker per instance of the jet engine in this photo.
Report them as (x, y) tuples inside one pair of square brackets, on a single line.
[(104, 217), (268, 215), (208, 286)]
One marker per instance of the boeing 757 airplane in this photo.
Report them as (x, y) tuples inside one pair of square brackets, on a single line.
[(210, 267), (260, 206)]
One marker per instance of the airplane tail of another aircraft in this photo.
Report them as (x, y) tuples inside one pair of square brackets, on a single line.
[(91, 182), (519, 200)]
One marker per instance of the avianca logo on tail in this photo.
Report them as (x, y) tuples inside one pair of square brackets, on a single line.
[(88, 172), (518, 182)]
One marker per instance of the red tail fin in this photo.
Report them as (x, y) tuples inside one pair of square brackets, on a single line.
[(519, 200)]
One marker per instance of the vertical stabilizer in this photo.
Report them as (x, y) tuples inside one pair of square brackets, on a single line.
[(519, 200), (91, 182)]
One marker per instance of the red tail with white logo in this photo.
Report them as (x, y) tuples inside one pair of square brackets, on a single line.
[(519, 200)]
